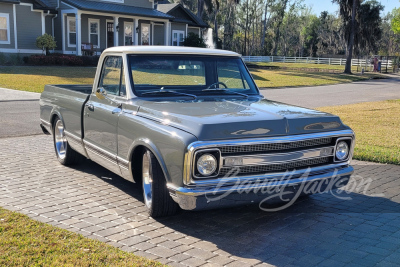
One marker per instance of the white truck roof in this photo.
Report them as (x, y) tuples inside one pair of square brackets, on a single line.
[(169, 50)]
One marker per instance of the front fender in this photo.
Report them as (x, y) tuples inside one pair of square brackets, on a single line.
[(167, 143)]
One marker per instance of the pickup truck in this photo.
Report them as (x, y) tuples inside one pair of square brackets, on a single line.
[(190, 125)]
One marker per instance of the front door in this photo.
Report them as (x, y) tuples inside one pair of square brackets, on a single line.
[(145, 31), (101, 116), (110, 34)]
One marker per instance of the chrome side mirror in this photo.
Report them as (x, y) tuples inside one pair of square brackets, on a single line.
[(101, 93)]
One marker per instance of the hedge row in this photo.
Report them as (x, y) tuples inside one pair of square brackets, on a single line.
[(61, 60)]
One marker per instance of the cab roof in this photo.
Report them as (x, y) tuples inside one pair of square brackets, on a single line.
[(169, 50)]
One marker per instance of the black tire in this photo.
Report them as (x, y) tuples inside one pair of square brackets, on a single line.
[(159, 203), (65, 154)]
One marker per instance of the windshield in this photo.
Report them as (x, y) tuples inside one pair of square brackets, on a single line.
[(189, 74)]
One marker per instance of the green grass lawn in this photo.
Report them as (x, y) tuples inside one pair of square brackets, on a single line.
[(376, 125), (26, 242), (34, 78)]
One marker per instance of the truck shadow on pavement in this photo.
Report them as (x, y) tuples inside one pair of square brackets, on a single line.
[(320, 229)]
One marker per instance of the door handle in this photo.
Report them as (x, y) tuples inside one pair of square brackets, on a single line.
[(90, 106), (116, 110)]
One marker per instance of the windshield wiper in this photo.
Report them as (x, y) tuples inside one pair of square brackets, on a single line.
[(168, 92), (224, 90)]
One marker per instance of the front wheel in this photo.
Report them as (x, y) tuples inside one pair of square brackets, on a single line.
[(155, 193), (65, 154)]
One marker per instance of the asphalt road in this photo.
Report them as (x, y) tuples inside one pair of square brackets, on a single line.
[(19, 113), (20, 110)]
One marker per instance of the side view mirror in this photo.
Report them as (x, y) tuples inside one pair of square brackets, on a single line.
[(101, 93)]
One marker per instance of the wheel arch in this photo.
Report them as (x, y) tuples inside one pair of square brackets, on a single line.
[(135, 160)]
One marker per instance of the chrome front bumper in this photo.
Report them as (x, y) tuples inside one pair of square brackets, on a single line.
[(253, 189)]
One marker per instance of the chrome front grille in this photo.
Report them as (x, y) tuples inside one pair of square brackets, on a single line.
[(257, 169), (264, 148)]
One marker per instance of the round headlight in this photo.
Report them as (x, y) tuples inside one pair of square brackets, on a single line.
[(342, 150), (206, 164)]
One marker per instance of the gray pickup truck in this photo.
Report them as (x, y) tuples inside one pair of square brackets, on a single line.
[(190, 125)]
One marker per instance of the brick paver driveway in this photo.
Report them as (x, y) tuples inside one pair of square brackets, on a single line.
[(319, 230)]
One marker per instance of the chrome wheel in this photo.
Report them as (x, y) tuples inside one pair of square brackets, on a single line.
[(147, 181), (60, 140)]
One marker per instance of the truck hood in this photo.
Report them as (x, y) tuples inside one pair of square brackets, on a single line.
[(227, 119)]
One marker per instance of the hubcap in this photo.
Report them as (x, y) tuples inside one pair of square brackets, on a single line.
[(147, 181), (61, 141)]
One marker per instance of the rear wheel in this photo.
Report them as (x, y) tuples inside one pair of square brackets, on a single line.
[(65, 154), (155, 193)]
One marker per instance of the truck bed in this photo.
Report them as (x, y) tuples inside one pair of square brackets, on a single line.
[(69, 100), (82, 88)]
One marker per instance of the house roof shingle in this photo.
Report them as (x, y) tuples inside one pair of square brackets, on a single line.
[(116, 8)]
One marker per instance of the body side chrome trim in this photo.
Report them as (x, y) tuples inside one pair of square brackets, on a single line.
[(100, 152), (46, 123)]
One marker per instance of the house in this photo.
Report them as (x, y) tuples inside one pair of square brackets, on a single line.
[(79, 24)]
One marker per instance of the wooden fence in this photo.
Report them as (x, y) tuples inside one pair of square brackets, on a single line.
[(363, 63)]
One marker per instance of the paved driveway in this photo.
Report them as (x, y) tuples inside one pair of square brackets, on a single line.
[(338, 94), (322, 230)]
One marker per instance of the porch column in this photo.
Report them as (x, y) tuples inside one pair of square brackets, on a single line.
[(186, 31), (166, 32), (63, 39), (78, 33), (135, 25), (152, 33), (115, 31)]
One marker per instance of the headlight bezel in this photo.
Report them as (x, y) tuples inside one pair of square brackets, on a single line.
[(216, 153), (348, 141)]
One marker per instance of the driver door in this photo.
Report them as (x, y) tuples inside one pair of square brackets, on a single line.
[(101, 115)]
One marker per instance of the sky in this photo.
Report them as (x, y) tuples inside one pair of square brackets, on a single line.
[(321, 5)]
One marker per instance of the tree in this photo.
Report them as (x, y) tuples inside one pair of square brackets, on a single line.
[(395, 23), (194, 40), (46, 42), (348, 11)]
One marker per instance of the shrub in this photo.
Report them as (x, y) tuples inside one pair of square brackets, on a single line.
[(194, 40), (46, 42), (64, 60)]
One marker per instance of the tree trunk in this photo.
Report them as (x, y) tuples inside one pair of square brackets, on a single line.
[(347, 69), (200, 8)]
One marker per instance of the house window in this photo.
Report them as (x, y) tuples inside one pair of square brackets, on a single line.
[(177, 38), (145, 34), (71, 31), (4, 28), (94, 36), (128, 33)]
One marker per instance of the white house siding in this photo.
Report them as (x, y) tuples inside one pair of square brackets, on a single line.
[(8, 9), (29, 27)]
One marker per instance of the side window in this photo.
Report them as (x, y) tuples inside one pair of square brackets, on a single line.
[(110, 78), (230, 74)]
